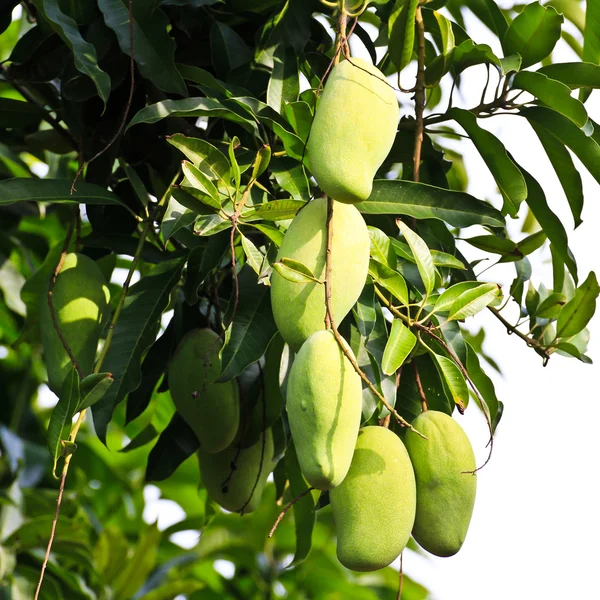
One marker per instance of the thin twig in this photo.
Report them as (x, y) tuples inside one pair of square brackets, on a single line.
[(340, 340), (420, 387), (419, 94), (287, 507), (400, 578), (127, 106)]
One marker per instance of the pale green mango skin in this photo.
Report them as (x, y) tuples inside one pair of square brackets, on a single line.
[(299, 308), (353, 130), (214, 414), (239, 497), (81, 304), (445, 493), (324, 405), (374, 507)]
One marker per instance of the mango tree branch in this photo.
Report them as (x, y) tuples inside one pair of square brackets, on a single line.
[(419, 93), (340, 340)]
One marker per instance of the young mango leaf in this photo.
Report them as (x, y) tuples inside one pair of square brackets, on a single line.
[(402, 32), (472, 301), (399, 345), (565, 170), (200, 182), (252, 329), (261, 162), (508, 177), (422, 201), (422, 256), (84, 53), (576, 313), (533, 33), (553, 93), (389, 279), (134, 333), (92, 388), (235, 167), (304, 509), (153, 47), (447, 298), (453, 378), (59, 427), (295, 271)]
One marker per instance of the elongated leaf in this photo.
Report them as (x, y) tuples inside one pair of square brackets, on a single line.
[(84, 53), (447, 298), (574, 74), (176, 216), (60, 421), (576, 313), (469, 54), (252, 329), (553, 93), (228, 49), (202, 183), (402, 32), (591, 33), (53, 190), (365, 312), (93, 388), (381, 247), (17, 114), (134, 333), (295, 271), (494, 244), (489, 13), (191, 107), (304, 509), (507, 175), (254, 256), (277, 210), (422, 256), (484, 385), (472, 301), (550, 306), (153, 47), (423, 201), (565, 169), (454, 379), (291, 177), (399, 345), (533, 33), (284, 85), (389, 279)]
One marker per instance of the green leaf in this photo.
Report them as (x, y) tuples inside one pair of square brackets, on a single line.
[(59, 427), (305, 515), (576, 313), (494, 245), (532, 242), (454, 379), (153, 47), (93, 387), (533, 33), (583, 146), (84, 53), (254, 256), (422, 256), (389, 279), (402, 32), (284, 85), (399, 345), (440, 65), (295, 271), (277, 210), (291, 177), (228, 49), (507, 175), (272, 233), (381, 247), (489, 13), (134, 333), (574, 74), (177, 587), (550, 306), (484, 384), (365, 312), (16, 114), (591, 33), (447, 298), (199, 181), (565, 169), (235, 167), (261, 162), (472, 301), (422, 201), (54, 190), (553, 93), (469, 53), (192, 107), (251, 330), (176, 216)]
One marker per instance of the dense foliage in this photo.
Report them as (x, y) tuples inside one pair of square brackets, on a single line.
[(165, 140)]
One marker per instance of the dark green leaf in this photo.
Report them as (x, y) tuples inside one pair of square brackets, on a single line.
[(484, 384), (489, 13), (591, 33), (15, 114), (574, 74), (284, 85), (507, 175), (423, 201), (402, 32), (469, 53), (533, 33), (228, 49), (93, 387)]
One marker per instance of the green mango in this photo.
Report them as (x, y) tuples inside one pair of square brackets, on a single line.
[(353, 130), (211, 409), (81, 304), (445, 491), (324, 405), (239, 489), (299, 308), (374, 507)]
